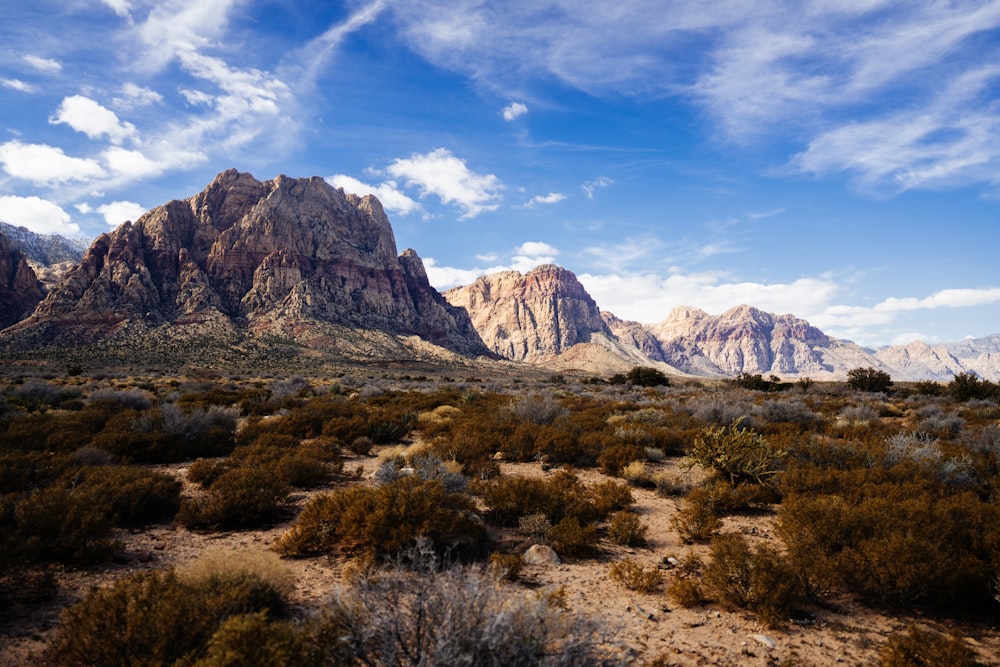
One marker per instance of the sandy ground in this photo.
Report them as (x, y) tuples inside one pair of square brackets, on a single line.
[(652, 624)]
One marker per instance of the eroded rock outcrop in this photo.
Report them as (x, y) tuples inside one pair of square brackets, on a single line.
[(20, 290)]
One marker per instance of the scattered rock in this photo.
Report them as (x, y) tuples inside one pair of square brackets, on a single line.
[(765, 640), (540, 554)]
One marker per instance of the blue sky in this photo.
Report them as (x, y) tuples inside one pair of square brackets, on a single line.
[(836, 159)]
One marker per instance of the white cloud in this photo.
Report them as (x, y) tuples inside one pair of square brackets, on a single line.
[(46, 165), (449, 178), (131, 164), (949, 298), (17, 84), (536, 248), (86, 115), (551, 198), (122, 8), (590, 186), (134, 96), (387, 193), (514, 110), (39, 215), (117, 212), (46, 65)]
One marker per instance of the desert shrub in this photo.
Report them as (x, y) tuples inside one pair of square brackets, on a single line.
[(153, 618), (926, 648), (738, 453), (383, 521), (670, 485), (722, 411), (255, 639), (133, 496), (239, 498), (61, 523), (428, 467), (134, 399), (610, 496), (887, 538), (571, 538), (453, 617), (535, 526), (205, 471), (869, 379), (538, 408), (507, 499), (362, 445), (636, 474), (684, 585), (212, 567), (645, 376), (506, 567), (614, 459), (698, 518), (788, 411), (627, 529), (38, 394), (755, 578), (635, 577), (969, 386)]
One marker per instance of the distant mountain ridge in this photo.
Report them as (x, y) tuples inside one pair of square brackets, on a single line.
[(296, 260)]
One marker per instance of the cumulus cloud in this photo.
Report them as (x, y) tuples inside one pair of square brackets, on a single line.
[(88, 116), (46, 165), (46, 65), (117, 212), (39, 215), (589, 187), (388, 193), (17, 84), (523, 258), (551, 198), (449, 178), (514, 110)]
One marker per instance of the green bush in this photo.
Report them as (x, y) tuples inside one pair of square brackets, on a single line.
[(645, 376), (869, 379)]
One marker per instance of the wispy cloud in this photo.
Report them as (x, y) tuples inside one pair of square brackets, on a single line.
[(46, 165), (86, 115), (46, 65), (590, 187), (17, 84), (551, 198)]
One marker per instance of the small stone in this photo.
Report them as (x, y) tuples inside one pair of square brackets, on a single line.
[(765, 640), (540, 554)]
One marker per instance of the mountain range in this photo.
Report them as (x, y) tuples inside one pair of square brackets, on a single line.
[(249, 266)]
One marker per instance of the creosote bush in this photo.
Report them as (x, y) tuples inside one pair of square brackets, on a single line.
[(383, 521), (633, 576), (627, 529), (755, 578)]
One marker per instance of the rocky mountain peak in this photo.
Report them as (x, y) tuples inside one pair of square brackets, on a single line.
[(270, 256), (525, 317), (20, 290)]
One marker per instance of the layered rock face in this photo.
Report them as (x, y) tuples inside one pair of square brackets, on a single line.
[(20, 290), (525, 317), (268, 256), (742, 340)]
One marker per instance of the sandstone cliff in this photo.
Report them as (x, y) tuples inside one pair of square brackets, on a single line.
[(20, 290), (276, 258), (524, 317)]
